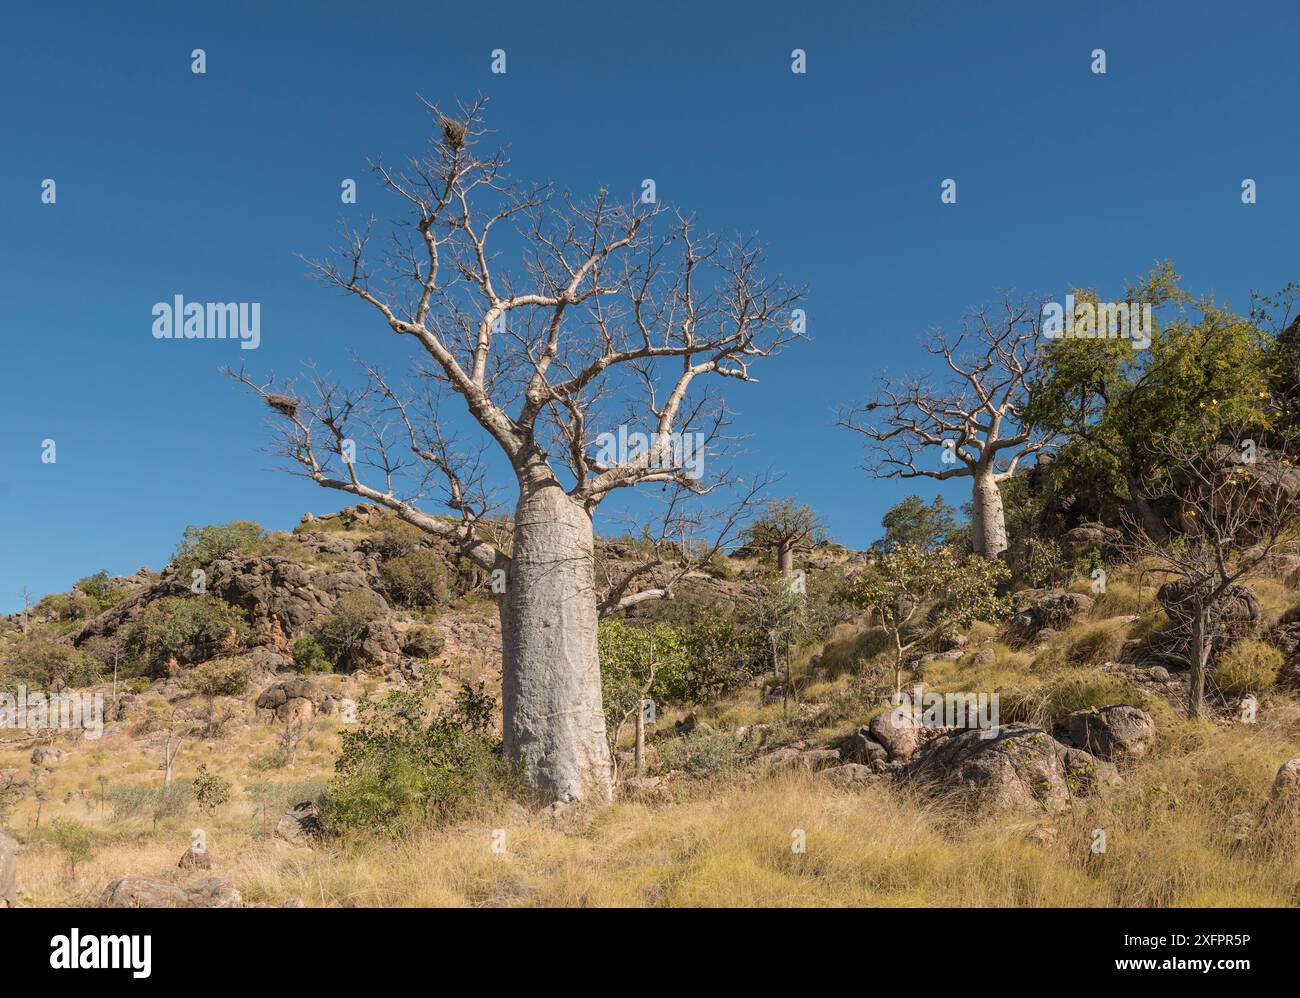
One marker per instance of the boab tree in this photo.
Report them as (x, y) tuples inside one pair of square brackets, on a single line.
[(783, 529), (969, 425), (616, 317)]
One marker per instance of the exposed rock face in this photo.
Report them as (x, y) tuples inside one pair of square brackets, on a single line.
[(1236, 614), (1110, 733), (134, 891), (1105, 540), (860, 748), (296, 701), (8, 872), (809, 760), (898, 731), (300, 824), (1037, 609), (1020, 768)]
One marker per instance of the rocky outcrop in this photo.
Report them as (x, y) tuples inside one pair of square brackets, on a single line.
[(134, 891), (296, 701), (1106, 541), (1110, 733), (1019, 768), (1053, 609)]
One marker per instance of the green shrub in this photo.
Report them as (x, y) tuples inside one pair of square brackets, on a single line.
[(701, 754), (346, 628), (226, 677), (190, 627), (410, 763), (101, 588), (1248, 667), (210, 790), (419, 578), (201, 546), (75, 839), (309, 656), (422, 641), (43, 664)]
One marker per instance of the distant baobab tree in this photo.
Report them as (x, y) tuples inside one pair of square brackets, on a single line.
[(968, 425), (614, 315)]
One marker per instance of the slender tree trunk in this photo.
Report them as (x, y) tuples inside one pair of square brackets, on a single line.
[(553, 722), (1198, 656), (988, 524), (639, 758)]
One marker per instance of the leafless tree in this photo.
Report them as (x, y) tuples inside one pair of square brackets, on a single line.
[(1237, 507), (617, 317), (967, 425)]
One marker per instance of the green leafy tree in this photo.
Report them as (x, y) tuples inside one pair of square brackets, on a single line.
[(907, 580), (636, 664), (210, 790), (191, 628), (75, 839), (1112, 401), (345, 630), (916, 523)]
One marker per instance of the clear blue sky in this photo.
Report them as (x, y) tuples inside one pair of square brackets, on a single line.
[(207, 186)]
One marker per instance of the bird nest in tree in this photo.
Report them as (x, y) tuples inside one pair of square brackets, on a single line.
[(454, 133), (286, 404)]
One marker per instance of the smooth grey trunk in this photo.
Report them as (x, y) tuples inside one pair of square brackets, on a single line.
[(988, 523), (640, 739), (553, 722), (785, 559)]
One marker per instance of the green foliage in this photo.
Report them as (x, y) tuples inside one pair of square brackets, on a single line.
[(411, 762), (914, 523), (626, 654), (101, 588), (723, 653), (420, 578), (210, 790), (345, 629), (219, 677), (75, 839), (1248, 667), (43, 664), (1115, 403), (309, 656), (422, 641), (189, 627), (701, 754), (200, 546)]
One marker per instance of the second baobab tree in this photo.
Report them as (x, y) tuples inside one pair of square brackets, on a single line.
[(967, 423), (584, 363)]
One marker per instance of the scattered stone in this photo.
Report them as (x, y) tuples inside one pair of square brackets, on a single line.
[(46, 755), (1051, 609), (133, 891), (898, 730), (300, 824), (861, 748), (1110, 733), (196, 859)]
